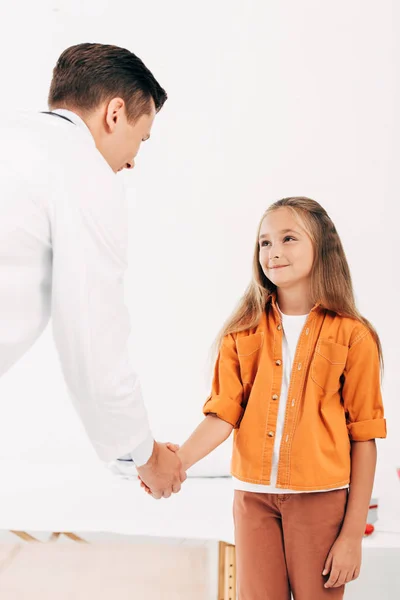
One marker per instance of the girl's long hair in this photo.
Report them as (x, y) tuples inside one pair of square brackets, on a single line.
[(331, 283)]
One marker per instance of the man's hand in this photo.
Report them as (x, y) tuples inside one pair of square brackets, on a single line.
[(343, 562), (163, 473), (173, 448)]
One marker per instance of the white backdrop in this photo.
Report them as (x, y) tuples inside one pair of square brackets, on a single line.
[(266, 99)]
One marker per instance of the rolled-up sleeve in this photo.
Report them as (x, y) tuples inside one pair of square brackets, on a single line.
[(226, 396), (91, 325), (361, 391)]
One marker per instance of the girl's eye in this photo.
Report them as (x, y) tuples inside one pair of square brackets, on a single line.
[(285, 239)]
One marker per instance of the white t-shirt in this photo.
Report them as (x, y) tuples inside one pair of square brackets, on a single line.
[(292, 328)]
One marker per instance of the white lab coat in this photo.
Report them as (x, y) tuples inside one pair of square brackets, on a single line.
[(63, 248)]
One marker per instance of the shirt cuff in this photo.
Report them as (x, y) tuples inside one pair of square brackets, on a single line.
[(141, 454), (362, 431), (225, 408)]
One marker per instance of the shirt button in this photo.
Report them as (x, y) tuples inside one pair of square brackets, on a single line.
[(279, 327), (271, 434), (278, 362), (299, 366), (275, 397), (307, 331), (293, 402)]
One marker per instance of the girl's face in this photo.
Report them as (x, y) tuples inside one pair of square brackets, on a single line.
[(286, 250)]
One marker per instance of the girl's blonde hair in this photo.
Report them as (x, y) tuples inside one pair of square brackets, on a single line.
[(331, 283)]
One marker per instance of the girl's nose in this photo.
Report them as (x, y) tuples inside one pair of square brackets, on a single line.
[(274, 252)]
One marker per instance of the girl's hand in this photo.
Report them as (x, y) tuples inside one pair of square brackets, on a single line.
[(173, 448), (144, 486), (343, 562)]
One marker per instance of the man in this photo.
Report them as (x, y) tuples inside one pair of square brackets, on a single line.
[(63, 245)]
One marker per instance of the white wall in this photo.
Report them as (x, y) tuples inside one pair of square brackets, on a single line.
[(266, 99)]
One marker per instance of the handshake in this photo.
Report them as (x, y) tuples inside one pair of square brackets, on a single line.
[(164, 473)]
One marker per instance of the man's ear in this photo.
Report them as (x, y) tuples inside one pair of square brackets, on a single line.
[(115, 109)]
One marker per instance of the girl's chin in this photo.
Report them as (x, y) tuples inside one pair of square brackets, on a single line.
[(283, 283)]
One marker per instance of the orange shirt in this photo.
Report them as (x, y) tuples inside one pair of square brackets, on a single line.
[(334, 397)]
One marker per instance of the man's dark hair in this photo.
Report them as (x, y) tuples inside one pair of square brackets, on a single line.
[(86, 75)]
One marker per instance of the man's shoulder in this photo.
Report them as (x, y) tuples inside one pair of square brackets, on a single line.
[(54, 153), (44, 141), (29, 136), (43, 129)]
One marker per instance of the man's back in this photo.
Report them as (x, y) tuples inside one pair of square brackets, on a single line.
[(28, 152), (37, 152), (63, 239)]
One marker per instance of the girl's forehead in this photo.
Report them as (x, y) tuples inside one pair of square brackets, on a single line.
[(280, 219)]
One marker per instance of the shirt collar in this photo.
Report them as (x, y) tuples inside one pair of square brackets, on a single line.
[(76, 119)]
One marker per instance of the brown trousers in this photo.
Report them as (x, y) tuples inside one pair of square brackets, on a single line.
[(282, 542)]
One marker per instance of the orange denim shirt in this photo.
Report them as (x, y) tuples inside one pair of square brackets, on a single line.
[(334, 397)]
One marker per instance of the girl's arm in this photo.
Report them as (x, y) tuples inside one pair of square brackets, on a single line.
[(211, 432), (344, 559), (363, 463)]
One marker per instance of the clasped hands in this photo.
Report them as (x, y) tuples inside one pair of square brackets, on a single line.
[(164, 473)]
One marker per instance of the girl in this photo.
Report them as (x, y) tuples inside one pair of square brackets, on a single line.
[(298, 379)]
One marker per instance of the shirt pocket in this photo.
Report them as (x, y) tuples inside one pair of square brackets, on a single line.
[(328, 364), (248, 350)]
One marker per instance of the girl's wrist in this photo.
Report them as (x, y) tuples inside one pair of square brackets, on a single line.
[(184, 460), (352, 533)]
